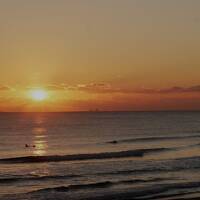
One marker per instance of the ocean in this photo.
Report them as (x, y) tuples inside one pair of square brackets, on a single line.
[(100, 155)]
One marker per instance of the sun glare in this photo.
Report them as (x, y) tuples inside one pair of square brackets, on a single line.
[(38, 94)]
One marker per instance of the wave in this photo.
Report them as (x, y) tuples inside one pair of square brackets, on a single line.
[(151, 170), (170, 190), (17, 179), (173, 165), (149, 139), (103, 184), (160, 190), (79, 157), (77, 187)]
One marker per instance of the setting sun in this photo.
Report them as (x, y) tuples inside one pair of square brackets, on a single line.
[(38, 94)]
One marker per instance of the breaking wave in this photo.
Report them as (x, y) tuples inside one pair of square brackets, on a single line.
[(79, 157)]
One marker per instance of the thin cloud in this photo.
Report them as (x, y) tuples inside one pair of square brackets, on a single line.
[(55, 87), (97, 88), (51, 87), (107, 88), (181, 89), (5, 88)]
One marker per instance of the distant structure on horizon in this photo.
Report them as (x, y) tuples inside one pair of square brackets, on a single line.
[(95, 110)]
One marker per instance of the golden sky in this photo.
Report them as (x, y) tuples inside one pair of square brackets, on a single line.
[(105, 54)]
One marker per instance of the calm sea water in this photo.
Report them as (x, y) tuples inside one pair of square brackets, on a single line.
[(114, 155)]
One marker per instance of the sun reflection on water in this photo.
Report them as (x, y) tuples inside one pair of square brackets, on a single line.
[(40, 147), (40, 138)]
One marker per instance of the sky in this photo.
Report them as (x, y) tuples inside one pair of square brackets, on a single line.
[(100, 54)]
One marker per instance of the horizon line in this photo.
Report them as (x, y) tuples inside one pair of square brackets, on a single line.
[(106, 111)]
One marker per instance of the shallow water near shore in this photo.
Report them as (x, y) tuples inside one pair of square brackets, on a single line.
[(103, 155)]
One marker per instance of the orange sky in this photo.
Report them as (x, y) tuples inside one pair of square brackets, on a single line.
[(110, 55)]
